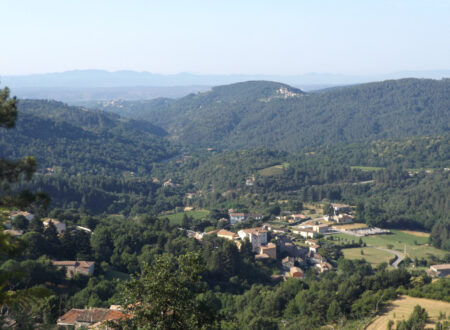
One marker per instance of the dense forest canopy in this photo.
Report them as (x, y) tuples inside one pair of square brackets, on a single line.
[(274, 115), (76, 140)]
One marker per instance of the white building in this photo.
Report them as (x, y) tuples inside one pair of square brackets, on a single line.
[(256, 236), (60, 226), (236, 217)]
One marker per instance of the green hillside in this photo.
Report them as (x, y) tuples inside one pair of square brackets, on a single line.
[(75, 140), (268, 114)]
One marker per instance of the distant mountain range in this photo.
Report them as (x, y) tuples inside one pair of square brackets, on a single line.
[(84, 85), (275, 115)]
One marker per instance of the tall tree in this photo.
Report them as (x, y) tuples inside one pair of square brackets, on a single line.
[(164, 295)]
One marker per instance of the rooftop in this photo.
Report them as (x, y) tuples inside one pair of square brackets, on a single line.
[(92, 315), (227, 233), (441, 267)]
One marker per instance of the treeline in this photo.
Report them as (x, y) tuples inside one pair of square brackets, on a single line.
[(107, 194)]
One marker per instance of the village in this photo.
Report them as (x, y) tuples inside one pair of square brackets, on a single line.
[(291, 241)]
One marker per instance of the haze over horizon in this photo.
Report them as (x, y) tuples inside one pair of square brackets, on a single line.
[(229, 38)]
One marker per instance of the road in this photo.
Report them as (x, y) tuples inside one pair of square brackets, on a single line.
[(399, 256)]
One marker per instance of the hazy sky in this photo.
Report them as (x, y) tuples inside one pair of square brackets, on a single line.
[(227, 36)]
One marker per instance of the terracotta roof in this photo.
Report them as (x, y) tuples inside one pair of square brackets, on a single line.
[(70, 317), (227, 233), (92, 315), (268, 246), (254, 230)]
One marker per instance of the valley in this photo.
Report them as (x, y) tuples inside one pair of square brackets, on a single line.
[(293, 205)]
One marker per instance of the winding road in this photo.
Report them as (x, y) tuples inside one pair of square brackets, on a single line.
[(397, 261)]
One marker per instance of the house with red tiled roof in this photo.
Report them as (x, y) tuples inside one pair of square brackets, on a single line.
[(269, 249), (92, 317), (227, 234), (296, 272), (442, 270), (75, 267)]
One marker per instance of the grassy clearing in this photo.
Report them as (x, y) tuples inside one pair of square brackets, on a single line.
[(415, 246), (416, 233), (371, 255), (367, 168), (274, 170), (175, 219), (401, 308)]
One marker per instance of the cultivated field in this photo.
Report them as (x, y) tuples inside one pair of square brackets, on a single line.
[(175, 219), (371, 255), (415, 246), (401, 308)]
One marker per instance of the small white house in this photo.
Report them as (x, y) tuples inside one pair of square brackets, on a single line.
[(60, 226)]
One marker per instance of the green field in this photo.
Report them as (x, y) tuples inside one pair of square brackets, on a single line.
[(415, 246), (274, 170), (175, 219), (371, 255)]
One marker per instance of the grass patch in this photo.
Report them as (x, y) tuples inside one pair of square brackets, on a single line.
[(273, 170), (415, 246), (401, 309), (371, 255), (176, 218), (416, 233)]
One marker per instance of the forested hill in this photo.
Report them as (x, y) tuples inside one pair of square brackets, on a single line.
[(76, 140), (269, 114)]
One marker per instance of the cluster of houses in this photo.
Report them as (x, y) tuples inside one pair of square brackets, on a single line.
[(301, 257), (236, 217), (256, 236), (71, 267), (297, 257)]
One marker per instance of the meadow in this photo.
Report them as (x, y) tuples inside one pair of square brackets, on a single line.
[(273, 170), (416, 246), (176, 218), (371, 255), (401, 308)]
